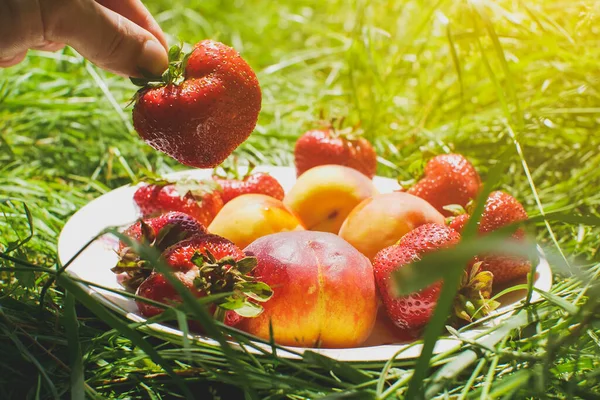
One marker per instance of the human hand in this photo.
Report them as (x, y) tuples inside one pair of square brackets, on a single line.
[(120, 36)]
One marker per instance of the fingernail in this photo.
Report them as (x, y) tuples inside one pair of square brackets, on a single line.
[(154, 58)]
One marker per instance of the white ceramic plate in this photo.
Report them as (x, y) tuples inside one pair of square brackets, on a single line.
[(117, 208)]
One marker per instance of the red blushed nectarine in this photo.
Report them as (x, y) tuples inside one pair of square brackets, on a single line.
[(324, 290)]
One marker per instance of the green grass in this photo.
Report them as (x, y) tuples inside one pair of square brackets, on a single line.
[(483, 78)]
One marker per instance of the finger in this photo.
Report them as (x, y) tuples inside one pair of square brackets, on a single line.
[(20, 27), (136, 11), (12, 60), (104, 37), (48, 46)]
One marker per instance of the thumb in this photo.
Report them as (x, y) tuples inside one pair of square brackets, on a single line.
[(106, 38)]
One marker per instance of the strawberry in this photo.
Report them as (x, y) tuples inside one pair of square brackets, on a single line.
[(203, 107), (157, 288), (209, 265), (182, 226), (200, 200), (411, 313), (331, 146), (232, 185), (159, 232), (450, 179), (500, 209), (179, 256)]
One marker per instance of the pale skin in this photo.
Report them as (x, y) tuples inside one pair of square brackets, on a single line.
[(120, 36)]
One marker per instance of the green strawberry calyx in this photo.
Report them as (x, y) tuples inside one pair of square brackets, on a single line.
[(137, 269), (230, 170), (184, 186), (473, 300), (173, 75), (230, 276)]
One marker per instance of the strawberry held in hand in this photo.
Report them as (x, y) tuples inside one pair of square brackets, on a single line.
[(199, 199), (331, 146), (500, 209), (202, 108), (232, 185), (449, 179), (412, 312)]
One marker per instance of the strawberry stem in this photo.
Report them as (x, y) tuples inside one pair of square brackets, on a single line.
[(230, 276)]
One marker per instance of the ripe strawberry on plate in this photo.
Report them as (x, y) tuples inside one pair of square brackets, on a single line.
[(159, 232), (329, 145), (233, 185), (179, 256), (209, 265), (411, 313), (203, 107), (450, 179), (500, 209), (200, 199)]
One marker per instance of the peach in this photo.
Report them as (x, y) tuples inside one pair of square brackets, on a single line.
[(251, 216), (323, 196), (382, 220), (323, 290)]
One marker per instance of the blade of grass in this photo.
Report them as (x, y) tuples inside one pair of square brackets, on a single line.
[(75, 355)]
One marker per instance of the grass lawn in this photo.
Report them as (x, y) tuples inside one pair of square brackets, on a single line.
[(509, 84)]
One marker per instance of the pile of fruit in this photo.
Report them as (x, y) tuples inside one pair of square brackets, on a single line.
[(315, 264)]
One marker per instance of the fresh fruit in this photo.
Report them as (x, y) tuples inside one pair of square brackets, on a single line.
[(323, 290), (412, 312), (203, 107), (251, 216), (500, 209), (157, 288), (323, 196), (179, 256), (209, 265), (382, 220), (450, 179), (330, 146), (257, 183), (159, 232), (200, 199)]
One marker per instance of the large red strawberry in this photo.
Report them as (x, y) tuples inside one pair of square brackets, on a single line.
[(200, 199), (412, 312), (329, 146), (233, 185), (500, 209), (449, 179), (159, 232), (203, 107)]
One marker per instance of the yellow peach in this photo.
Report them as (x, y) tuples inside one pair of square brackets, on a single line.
[(251, 216), (323, 196), (382, 220)]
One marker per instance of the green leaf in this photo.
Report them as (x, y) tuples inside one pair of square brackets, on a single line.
[(455, 209), (243, 308), (139, 81), (174, 53), (258, 291), (247, 264)]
